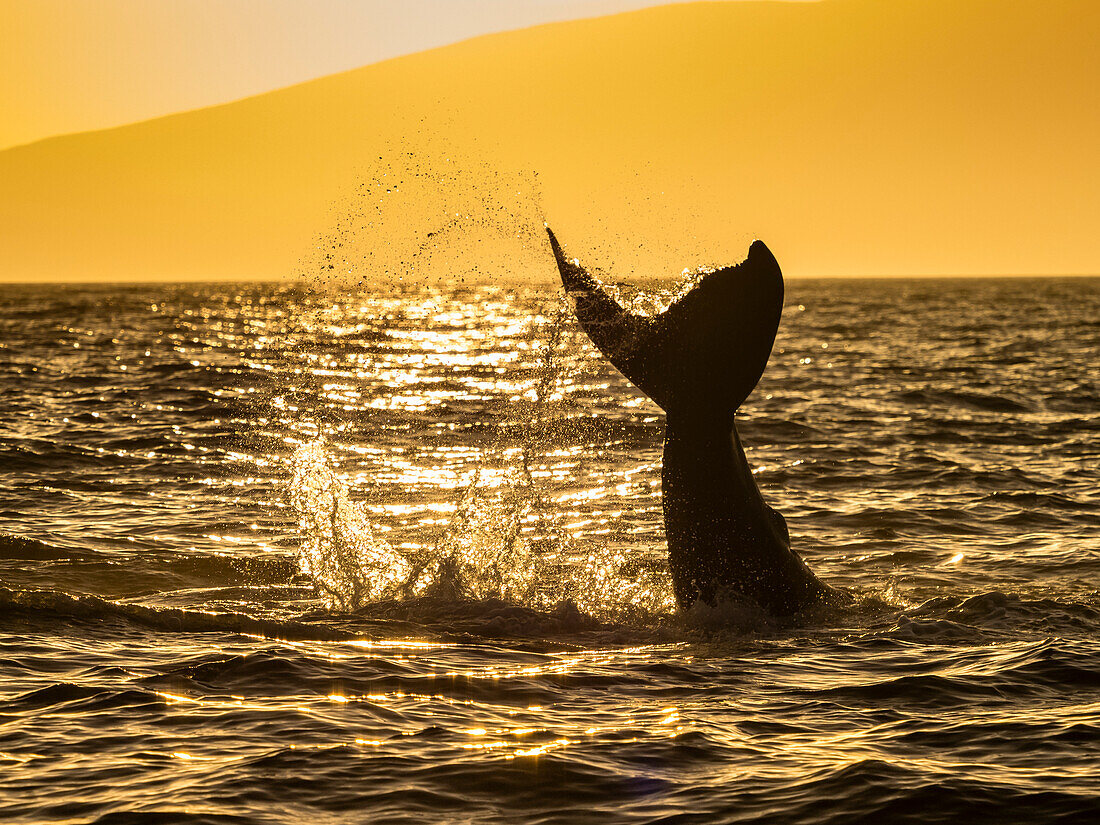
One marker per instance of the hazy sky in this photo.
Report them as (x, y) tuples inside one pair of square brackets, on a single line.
[(74, 65), (857, 137)]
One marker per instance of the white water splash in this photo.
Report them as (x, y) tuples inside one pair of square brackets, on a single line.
[(502, 543), (483, 554), (349, 565), (499, 545)]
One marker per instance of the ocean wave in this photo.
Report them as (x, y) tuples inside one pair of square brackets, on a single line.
[(24, 547), (419, 617), (78, 699), (877, 790), (933, 445), (980, 401), (54, 610), (275, 671)]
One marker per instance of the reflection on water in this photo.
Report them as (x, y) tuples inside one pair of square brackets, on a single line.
[(274, 554), (499, 535)]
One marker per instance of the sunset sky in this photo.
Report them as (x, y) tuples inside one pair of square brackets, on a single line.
[(74, 65), (857, 137)]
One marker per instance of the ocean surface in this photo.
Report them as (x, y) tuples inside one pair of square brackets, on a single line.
[(276, 554)]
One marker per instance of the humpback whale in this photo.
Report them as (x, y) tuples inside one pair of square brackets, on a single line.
[(699, 360)]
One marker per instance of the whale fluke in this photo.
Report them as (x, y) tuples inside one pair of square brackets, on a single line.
[(699, 360), (706, 352)]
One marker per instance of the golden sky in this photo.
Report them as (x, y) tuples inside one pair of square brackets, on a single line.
[(856, 137), (74, 65)]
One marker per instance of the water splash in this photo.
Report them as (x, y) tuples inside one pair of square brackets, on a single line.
[(483, 554), (503, 540), (441, 214), (650, 299), (349, 565)]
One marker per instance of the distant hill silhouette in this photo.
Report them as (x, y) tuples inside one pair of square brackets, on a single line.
[(856, 136)]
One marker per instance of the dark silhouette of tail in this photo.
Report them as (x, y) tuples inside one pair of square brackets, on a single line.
[(703, 355), (699, 360)]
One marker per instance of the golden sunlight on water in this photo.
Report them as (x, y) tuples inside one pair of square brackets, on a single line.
[(499, 539), (314, 553)]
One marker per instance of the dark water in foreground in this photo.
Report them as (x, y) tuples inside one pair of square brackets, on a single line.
[(163, 657)]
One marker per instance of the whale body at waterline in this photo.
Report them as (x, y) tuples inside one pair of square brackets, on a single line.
[(699, 360)]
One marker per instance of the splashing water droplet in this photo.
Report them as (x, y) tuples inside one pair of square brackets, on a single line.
[(503, 542), (349, 565)]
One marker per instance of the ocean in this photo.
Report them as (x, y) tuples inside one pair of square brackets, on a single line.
[(274, 554)]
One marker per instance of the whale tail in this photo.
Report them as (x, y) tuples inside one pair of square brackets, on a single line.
[(701, 357)]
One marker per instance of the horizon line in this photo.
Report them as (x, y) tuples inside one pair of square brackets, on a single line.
[(517, 279)]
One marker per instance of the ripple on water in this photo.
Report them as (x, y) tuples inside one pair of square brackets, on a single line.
[(165, 656)]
